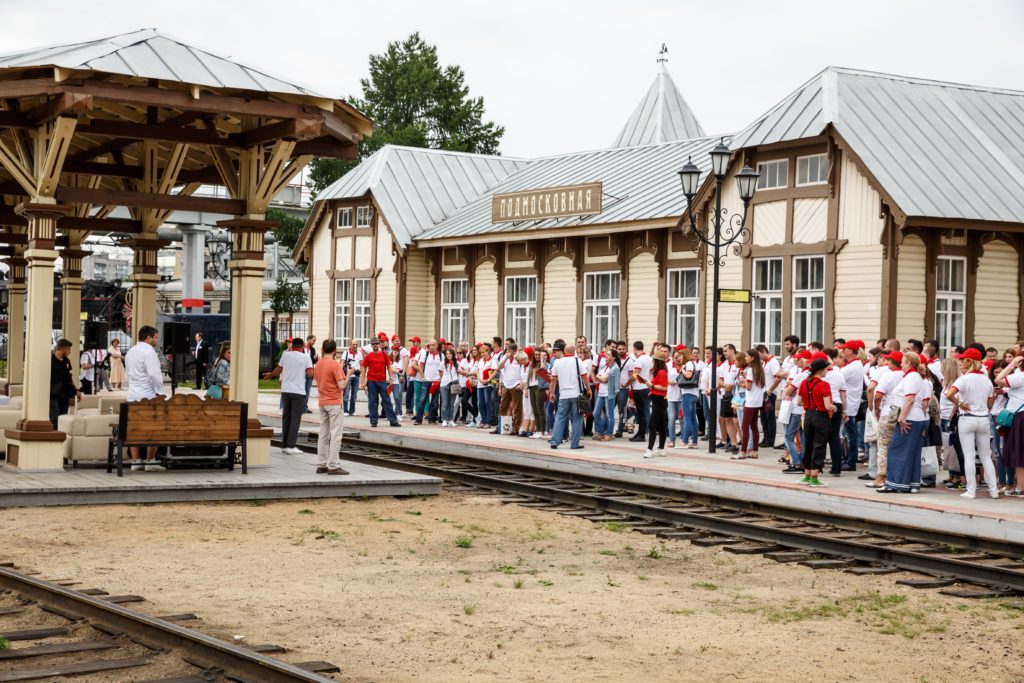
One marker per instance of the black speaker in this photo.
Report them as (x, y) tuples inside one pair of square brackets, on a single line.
[(176, 337), (95, 335)]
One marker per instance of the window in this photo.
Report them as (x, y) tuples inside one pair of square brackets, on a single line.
[(809, 298), (363, 215), (344, 218), (767, 304), (812, 170), (601, 306), (521, 308), (342, 311), (773, 174), (683, 302), (950, 298), (455, 310), (361, 332)]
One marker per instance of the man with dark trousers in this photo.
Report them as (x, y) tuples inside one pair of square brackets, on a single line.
[(62, 384), (202, 356)]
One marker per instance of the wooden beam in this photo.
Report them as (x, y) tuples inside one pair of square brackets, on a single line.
[(159, 131), (65, 103), (207, 174), (59, 134), (118, 145), (13, 238), (336, 128), (75, 223), (304, 128), (327, 147), (150, 200), (224, 164), (21, 173), (269, 174), (14, 119)]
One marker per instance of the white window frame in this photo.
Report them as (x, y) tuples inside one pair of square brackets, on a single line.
[(766, 306), (364, 213), (362, 318), (679, 309), (521, 316), (822, 170), (455, 314), (950, 303), (342, 311), (601, 316), (809, 303), (344, 218), (764, 167)]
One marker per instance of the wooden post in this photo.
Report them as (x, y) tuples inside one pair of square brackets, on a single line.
[(144, 281), (15, 321), (71, 308)]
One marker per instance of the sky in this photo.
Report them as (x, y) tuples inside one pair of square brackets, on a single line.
[(565, 76)]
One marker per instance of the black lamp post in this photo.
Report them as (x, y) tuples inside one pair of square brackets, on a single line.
[(721, 230)]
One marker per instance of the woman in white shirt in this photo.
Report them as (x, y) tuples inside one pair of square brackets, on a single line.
[(952, 453), (397, 371), (1011, 379), (467, 368), (971, 393), (449, 387), (753, 381), (674, 396), (911, 395)]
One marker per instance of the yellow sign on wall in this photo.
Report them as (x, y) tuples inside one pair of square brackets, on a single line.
[(734, 296), (83, 315)]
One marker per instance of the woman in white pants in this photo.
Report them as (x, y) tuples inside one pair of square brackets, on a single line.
[(971, 393)]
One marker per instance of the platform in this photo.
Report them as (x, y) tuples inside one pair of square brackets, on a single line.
[(289, 476), (698, 471)]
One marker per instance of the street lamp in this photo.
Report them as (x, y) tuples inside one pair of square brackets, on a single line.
[(712, 236)]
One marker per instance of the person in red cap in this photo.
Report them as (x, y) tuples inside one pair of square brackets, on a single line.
[(797, 375), (886, 410), (412, 385), (970, 393), (853, 371), (903, 460), (837, 383)]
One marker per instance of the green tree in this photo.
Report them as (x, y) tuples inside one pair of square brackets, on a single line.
[(288, 232), (416, 102), (287, 297)]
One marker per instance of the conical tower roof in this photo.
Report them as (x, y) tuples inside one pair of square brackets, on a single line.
[(661, 116)]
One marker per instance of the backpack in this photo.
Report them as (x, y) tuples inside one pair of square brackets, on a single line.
[(211, 374)]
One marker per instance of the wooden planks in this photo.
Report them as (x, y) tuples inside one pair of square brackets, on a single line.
[(56, 649), (76, 669)]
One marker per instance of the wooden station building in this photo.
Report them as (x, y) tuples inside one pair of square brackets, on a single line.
[(140, 121), (886, 206)]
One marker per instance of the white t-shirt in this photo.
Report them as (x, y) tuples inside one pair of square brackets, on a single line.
[(293, 371), (465, 365), (602, 371), (771, 367), (796, 378), (642, 366), (727, 372), (396, 368), (142, 370), (512, 375), (449, 374), (755, 392), (626, 371), (887, 382), (87, 358), (567, 371), (974, 389), (431, 363), (1015, 390), (691, 366), (911, 383), (350, 360), (853, 373), (705, 378), (836, 383), (674, 392)]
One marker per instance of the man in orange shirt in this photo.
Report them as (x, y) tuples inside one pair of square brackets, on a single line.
[(330, 382)]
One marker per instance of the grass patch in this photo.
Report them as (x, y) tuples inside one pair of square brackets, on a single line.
[(887, 613), (616, 527), (4, 643), (706, 585), (318, 532), (656, 553), (464, 542), (414, 513), (546, 583), (517, 584), (306, 511), (469, 610), (609, 553), (270, 384)]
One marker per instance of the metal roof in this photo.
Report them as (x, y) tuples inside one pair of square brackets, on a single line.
[(416, 188), (639, 183), (661, 116), (940, 150), (148, 54)]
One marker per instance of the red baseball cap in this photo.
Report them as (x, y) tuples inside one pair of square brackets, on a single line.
[(382, 336), (821, 355), (415, 340), (680, 347), (528, 350), (803, 355), (396, 338), (853, 345), (972, 354), (895, 356)]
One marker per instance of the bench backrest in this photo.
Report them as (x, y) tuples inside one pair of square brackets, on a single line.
[(183, 419)]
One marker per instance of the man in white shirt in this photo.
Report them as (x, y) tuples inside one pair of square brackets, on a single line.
[(512, 380), (87, 373), (428, 369), (569, 375), (773, 376), (853, 372), (351, 361), (145, 381), (294, 367), (640, 374)]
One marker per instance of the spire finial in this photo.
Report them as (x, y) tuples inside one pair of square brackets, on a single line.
[(662, 52)]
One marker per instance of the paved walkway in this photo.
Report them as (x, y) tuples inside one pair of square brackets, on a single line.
[(697, 470)]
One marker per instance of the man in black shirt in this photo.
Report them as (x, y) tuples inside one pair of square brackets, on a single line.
[(62, 384)]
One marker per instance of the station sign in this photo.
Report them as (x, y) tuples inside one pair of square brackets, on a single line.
[(549, 202), (734, 296)]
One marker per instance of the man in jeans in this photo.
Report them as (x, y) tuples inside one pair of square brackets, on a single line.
[(329, 377), (294, 367), (376, 379), (351, 360), (640, 373), (569, 375)]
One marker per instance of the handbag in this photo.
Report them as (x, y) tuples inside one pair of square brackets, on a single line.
[(583, 401), (691, 383), (786, 412), (1005, 417), (870, 426), (929, 461)]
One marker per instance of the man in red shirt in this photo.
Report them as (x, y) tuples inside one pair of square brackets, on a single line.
[(376, 379), (330, 382)]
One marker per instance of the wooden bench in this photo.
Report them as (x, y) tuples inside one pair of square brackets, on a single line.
[(183, 420)]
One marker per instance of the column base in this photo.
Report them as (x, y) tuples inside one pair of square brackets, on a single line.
[(257, 440), (35, 451)]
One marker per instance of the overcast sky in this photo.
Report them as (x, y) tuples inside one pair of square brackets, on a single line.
[(564, 76)]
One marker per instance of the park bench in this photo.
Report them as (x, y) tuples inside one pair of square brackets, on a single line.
[(185, 423)]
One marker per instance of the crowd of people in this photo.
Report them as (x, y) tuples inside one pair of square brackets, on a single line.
[(902, 411)]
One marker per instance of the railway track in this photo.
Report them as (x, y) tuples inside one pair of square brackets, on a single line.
[(54, 631), (958, 565)]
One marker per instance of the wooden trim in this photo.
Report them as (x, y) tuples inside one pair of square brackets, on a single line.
[(932, 248), (540, 265), (150, 200), (622, 246), (800, 249), (578, 260), (552, 233), (600, 246), (890, 276), (974, 247), (805, 192), (798, 147), (662, 259), (898, 214), (1019, 244), (964, 224)]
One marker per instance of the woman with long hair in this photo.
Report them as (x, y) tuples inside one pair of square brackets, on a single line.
[(397, 372), (952, 453), (538, 388), (658, 385), (754, 383), (1011, 380), (116, 364), (971, 392), (910, 397), (484, 390), (607, 377), (468, 371), (221, 374), (449, 386)]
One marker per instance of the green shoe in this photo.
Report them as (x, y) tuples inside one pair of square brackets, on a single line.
[(815, 483), (805, 480)]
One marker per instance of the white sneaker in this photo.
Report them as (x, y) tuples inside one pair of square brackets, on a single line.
[(292, 451), (153, 467), (451, 423), (660, 453), (444, 424), (967, 494), (993, 494), (648, 453), (138, 467)]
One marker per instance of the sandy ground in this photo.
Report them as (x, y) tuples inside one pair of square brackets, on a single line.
[(463, 588)]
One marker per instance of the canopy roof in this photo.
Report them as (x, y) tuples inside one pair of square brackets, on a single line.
[(939, 150)]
